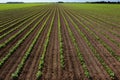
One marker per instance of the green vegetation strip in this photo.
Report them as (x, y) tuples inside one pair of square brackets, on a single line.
[(19, 32), (111, 31), (61, 43), (15, 75), (26, 13), (84, 66), (100, 40), (107, 68), (18, 26), (18, 6), (96, 10), (89, 21), (118, 44), (2, 61), (6, 22), (42, 59), (106, 45), (10, 26), (15, 22), (111, 39), (104, 21)]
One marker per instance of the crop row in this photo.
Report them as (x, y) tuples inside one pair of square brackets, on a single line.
[(107, 22), (97, 21), (109, 71), (92, 20), (60, 42), (42, 59), (18, 26), (108, 29), (101, 22), (80, 56), (21, 40), (104, 44), (25, 57), (103, 30), (19, 21), (98, 18), (19, 32), (104, 33), (111, 39), (20, 18), (13, 20)]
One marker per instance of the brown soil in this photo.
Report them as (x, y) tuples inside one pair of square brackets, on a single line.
[(30, 68), (52, 69), (15, 59), (14, 41)]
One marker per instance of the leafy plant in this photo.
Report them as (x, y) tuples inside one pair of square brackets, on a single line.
[(86, 72), (109, 71), (41, 63), (61, 44)]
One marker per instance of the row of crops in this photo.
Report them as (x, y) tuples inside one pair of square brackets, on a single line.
[(88, 44)]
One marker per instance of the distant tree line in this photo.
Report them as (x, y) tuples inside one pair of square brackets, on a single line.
[(15, 2), (105, 2), (60, 2)]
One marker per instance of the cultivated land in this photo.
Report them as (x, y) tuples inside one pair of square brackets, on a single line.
[(60, 42), (17, 6)]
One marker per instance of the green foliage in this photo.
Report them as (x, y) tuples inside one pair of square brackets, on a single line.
[(2, 61), (23, 20), (41, 63), (86, 72), (100, 12), (14, 76), (25, 57), (19, 32), (38, 75), (17, 6), (61, 44), (108, 70), (105, 9)]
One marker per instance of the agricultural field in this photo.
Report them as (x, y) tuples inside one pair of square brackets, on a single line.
[(60, 42), (16, 6)]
